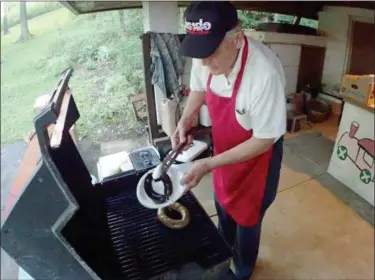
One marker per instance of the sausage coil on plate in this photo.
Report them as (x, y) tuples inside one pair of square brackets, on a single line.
[(155, 196)]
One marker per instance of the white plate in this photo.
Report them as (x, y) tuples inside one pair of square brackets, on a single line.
[(197, 148), (178, 190)]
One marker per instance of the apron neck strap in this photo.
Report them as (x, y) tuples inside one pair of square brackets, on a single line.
[(238, 81)]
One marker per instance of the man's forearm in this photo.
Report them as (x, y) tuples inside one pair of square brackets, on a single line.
[(242, 152), (193, 104)]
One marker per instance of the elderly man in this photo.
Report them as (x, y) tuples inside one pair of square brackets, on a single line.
[(242, 82)]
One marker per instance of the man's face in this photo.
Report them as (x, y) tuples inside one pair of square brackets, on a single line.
[(221, 61)]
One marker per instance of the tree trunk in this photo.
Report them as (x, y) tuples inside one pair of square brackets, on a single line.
[(25, 33), (122, 22), (5, 21)]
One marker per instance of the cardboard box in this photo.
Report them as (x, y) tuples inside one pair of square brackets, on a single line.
[(41, 102), (357, 87), (335, 104)]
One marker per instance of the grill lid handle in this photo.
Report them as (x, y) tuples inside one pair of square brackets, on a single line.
[(58, 116)]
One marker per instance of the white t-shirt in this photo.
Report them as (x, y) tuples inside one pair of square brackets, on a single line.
[(261, 101)]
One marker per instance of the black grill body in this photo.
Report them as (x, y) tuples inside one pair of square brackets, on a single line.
[(63, 227)]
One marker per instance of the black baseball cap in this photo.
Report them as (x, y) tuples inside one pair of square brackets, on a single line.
[(206, 23)]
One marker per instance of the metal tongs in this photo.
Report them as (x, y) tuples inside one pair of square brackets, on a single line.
[(164, 166)]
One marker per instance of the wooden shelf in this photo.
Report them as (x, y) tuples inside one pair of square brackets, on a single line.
[(285, 38)]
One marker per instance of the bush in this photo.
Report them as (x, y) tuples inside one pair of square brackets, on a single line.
[(107, 63), (113, 64), (251, 19)]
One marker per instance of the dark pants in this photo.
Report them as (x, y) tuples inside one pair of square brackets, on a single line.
[(245, 240)]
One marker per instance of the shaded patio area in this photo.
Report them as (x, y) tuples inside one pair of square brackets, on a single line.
[(317, 228)]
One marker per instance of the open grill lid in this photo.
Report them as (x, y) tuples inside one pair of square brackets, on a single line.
[(31, 232)]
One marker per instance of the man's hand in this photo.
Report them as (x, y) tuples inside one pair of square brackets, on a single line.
[(199, 169), (179, 136), (193, 104)]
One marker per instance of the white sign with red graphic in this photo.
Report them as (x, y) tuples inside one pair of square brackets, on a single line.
[(200, 27), (353, 157)]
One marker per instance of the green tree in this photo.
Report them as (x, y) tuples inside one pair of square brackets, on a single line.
[(122, 21), (290, 19), (309, 22), (25, 33), (284, 18), (5, 17), (251, 19)]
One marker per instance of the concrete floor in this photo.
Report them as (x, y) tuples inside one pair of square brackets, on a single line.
[(311, 231), (308, 233)]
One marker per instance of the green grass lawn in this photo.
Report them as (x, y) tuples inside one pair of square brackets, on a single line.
[(101, 87), (21, 78)]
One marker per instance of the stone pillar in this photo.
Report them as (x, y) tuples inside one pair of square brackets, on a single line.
[(160, 16)]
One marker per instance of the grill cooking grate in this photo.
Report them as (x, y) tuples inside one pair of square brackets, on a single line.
[(146, 248)]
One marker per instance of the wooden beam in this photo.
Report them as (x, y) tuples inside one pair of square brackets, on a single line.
[(304, 9), (150, 95), (58, 129), (69, 6), (369, 5)]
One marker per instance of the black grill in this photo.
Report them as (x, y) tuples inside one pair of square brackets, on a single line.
[(109, 227), (146, 248)]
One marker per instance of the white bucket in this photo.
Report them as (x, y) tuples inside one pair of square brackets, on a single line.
[(168, 116)]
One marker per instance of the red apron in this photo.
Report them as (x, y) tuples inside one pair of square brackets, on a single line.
[(239, 188)]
